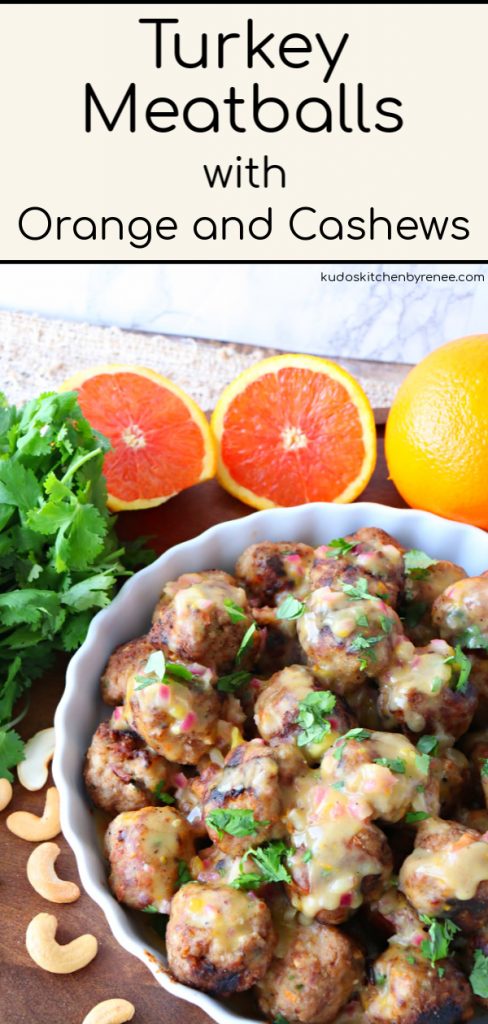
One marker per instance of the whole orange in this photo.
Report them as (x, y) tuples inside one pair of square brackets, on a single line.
[(436, 438)]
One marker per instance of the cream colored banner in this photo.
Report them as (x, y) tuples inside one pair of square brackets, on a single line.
[(379, 149)]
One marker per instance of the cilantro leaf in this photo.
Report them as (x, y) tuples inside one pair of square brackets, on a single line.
[(478, 978), (359, 592), (184, 874), (417, 563), (473, 639), (428, 745), (358, 734), (291, 608), (312, 716), (154, 671), (233, 682), (414, 816), (162, 796), (245, 642), (484, 768), (270, 860), (441, 934), (395, 764), (340, 546), (234, 821), (462, 665), (11, 752), (234, 611), (422, 763)]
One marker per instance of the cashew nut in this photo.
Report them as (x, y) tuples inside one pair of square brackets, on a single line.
[(111, 1011), (43, 878), (34, 829), (5, 793), (33, 770), (48, 954)]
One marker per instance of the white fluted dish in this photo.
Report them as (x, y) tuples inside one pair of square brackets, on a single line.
[(81, 709)]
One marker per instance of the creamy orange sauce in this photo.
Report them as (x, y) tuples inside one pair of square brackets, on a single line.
[(459, 871), (422, 670)]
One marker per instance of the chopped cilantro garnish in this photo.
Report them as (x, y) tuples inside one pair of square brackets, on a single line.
[(158, 668), (484, 768), (235, 612), (473, 639), (234, 821), (312, 716), (365, 644), (422, 763), (233, 682), (184, 874), (436, 684), (245, 642), (150, 909), (354, 734), (307, 856), (395, 764), (161, 795), (441, 934), (359, 592), (410, 959), (363, 621), (290, 608), (386, 624), (280, 1019), (413, 816), (462, 665), (380, 979), (270, 859), (428, 745), (417, 564), (479, 975), (340, 546)]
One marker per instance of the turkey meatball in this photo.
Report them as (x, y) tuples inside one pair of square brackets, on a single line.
[(247, 785), (218, 939), (270, 570), (289, 701), (422, 690), (346, 636), (406, 989), (176, 719), (339, 859), (145, 849), (121, 773), (203, 617), (121, 666), (422, 587), (383, 771), (314, 976), (447, 873), (461, 613), (371, 553)]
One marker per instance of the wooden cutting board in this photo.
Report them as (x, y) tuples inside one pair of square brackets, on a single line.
[(29, 995)]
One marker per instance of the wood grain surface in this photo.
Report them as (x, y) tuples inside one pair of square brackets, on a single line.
[(29, 995)]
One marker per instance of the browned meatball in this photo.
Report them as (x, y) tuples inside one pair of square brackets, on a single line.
[(176, 719), (479, 679), (393, 914), (121, 773), (406, 989), (121, 666), (218, 939), (373, 554), (447, 873), (475, 745), (145, 849), (314, 974), (347, 635), (422, 691), (278, 641), (421, 588), (249, 782), (383, 772), (461, 613), (363, 703), (203, 617), (270, 570), (339, 858), (289, 701), (451, 768)]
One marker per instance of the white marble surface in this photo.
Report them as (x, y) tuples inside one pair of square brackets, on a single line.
[(283, 306)]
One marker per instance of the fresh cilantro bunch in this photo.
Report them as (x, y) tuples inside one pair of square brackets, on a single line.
[(60, 558)]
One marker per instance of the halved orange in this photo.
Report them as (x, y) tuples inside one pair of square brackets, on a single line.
[(161, 441), (293, 429)]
